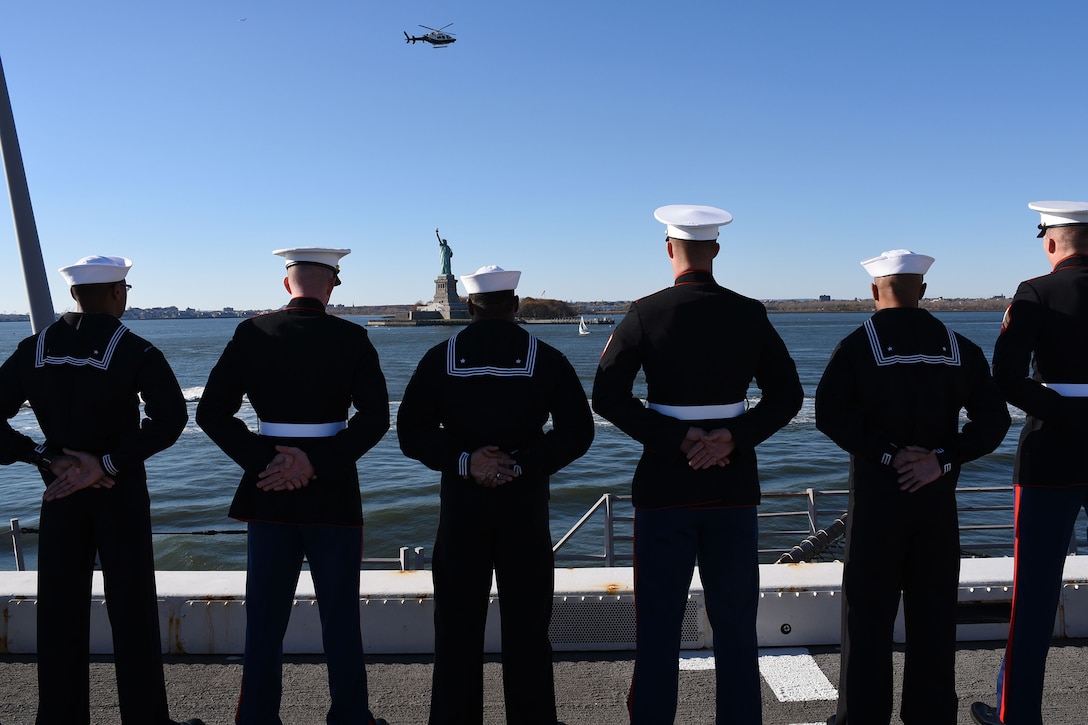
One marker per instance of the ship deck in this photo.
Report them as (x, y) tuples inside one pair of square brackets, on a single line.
[(590, 687)]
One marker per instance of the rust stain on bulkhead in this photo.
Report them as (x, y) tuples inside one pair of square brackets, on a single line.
[(173, 634)]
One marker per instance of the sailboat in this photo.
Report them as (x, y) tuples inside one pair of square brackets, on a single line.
[(582, 329)]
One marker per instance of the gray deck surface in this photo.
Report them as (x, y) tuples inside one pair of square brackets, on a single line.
[(590, 687)]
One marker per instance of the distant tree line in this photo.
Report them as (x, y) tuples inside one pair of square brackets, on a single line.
[(537, 309), (937, 304)]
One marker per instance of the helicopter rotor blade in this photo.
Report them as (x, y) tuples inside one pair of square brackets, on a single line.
[(446, 26), (428, 28)]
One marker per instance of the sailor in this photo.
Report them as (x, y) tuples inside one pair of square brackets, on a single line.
[(891, 397), (696, 487), (1041, 367), (475, 410), (303, 370), (84, 376)]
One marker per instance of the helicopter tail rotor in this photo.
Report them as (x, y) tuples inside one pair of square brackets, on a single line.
[(408, 39)]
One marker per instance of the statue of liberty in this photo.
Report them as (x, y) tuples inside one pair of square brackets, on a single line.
[(445, 252)]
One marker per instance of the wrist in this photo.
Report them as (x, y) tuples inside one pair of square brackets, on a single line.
[(40, 457), (42, 460), (944, 460), (887, 454)]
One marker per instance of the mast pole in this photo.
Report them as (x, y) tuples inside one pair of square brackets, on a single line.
[(26, 231)]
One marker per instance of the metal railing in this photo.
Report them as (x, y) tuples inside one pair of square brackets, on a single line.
[(781, 528)]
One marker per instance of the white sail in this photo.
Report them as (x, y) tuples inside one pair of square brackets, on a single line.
[(582, 329)]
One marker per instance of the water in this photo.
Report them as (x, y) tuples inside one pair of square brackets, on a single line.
[(193, 482)]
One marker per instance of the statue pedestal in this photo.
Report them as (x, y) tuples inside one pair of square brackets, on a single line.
[(446, 300)]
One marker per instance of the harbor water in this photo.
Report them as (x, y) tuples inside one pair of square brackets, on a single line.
[(193, 482)]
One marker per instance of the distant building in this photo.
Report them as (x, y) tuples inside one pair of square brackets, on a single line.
[(825, 298)]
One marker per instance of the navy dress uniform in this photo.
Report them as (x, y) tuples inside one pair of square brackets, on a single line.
[(897, 384), (302, 370), (700, 346), (1041, 366), (84, 376), (486, 395)]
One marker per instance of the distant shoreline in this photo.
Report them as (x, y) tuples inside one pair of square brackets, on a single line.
[(939, 304)]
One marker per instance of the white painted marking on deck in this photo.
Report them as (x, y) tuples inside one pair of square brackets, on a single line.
[(794, 676), (791, 673), (696, 661)]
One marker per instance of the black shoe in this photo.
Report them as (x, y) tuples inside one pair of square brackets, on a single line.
[(192, 721), (984, 714), (831, 720), (379, 721)]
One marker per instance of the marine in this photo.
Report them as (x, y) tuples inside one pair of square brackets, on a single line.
[(304, 371), (1040, 364), (696, 485)]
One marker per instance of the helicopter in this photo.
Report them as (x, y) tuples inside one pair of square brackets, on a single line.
[(437, 38)]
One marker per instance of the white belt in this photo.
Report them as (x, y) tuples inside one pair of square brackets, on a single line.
[(1069, 390), (700, 412), (301, 430)]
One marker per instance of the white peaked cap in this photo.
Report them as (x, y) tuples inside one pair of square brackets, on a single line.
[(490, 278), (692, 222), (313, 255), (324, 256), (897, 261), (1060, 213), (96, 269)]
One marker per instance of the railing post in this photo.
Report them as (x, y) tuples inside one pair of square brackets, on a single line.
[(609, 534), (16, 543), (404, 558), (813, 511), (421, 562)]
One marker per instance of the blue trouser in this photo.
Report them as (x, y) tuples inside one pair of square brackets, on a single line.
[(1044, 524), (275, 555), (668, 543)]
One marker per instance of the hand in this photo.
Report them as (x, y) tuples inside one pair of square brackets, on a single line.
[(693, 436), (290, 469), (712, 449), (75, 470), (917, 467), (491, 467)]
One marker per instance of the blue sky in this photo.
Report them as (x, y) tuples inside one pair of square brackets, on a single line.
[(196, 137)]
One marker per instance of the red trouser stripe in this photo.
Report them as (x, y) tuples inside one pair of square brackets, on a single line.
[(1012, 616)]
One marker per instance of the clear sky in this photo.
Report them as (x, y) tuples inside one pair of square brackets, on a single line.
[(195, 137)]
